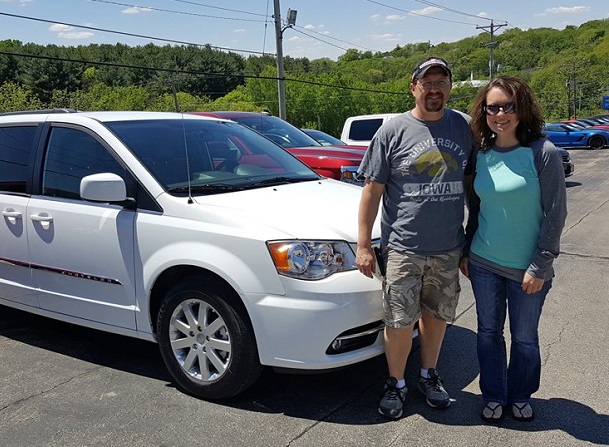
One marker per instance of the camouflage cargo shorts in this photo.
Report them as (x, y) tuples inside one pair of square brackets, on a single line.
[(416, 282)]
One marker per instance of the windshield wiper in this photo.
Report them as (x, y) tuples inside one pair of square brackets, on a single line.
[(211, 188), (280, 181)]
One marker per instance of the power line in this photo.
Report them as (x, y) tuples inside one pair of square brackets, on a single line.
[(174, 11), (195, 73), (129, 34), (420, 15), (219, 7), (445, 8), (317, 38), (227, 18), (328, 37)]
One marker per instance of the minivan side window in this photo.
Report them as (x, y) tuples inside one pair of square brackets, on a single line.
[(71, 155), (15, 146)]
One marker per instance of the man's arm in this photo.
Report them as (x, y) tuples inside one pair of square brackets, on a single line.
[(368, 209)]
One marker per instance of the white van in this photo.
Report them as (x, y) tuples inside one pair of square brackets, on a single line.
[(359, 130), (197, 233)]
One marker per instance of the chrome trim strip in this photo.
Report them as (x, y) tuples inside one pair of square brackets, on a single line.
[(65, 272), (379, 328)]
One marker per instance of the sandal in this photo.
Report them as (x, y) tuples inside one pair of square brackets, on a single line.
[(522, 412), (492, 412)]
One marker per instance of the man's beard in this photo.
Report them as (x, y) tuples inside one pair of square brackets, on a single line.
[(434, 104)]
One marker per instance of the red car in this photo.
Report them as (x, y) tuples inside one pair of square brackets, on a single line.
[(339, 162)]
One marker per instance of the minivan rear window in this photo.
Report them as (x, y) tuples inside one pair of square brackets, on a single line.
[(15, 146)]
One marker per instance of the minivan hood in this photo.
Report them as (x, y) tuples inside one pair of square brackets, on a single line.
[(320, 209)]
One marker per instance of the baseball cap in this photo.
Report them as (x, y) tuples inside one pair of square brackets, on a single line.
[(425, 65)]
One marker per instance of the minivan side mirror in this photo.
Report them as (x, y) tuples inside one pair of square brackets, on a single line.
[(104, 187)]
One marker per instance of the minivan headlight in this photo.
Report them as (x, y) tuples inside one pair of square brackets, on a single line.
[(311, 260)]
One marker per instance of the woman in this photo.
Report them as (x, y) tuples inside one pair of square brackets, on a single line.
[(517, 211)]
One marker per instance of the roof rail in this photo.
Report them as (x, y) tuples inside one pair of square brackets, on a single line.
[(43, 111)]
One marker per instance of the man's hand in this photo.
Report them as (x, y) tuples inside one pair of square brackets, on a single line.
[(464, 266), (365, 261)]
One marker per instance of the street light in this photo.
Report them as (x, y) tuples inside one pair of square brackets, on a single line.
[(279, 42)]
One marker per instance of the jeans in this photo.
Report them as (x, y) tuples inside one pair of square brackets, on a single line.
[(495, 294)]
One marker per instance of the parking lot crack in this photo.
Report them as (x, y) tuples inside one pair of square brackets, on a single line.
[(316, 423), (584, 217), (42, 392), (584, 255), (557, 341)]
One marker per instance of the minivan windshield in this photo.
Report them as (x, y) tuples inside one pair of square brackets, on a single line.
[(200, 156)]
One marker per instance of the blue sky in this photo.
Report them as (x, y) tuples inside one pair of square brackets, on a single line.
[(324, 28)]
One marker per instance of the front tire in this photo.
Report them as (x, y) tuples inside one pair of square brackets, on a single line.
[(206, 342), (597, 142)]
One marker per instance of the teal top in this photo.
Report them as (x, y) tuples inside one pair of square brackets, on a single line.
[(510, 210), (517, 210)]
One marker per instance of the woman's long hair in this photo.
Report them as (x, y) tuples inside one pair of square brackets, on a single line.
[(530, 126)]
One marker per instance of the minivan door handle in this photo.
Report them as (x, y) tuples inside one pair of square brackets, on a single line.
[(42, 217), (11, 213)]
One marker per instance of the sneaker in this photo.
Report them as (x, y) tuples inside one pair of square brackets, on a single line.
[(435, 394), (393, 399)]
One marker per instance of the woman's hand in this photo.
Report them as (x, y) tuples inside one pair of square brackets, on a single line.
[(530, 284)]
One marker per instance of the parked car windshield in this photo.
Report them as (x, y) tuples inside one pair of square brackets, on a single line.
[(278, 130), (208, 157), (324, 138)]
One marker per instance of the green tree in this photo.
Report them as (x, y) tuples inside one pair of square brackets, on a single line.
[(14, 97)]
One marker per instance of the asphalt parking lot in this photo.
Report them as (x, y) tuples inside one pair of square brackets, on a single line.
[(62, 385)]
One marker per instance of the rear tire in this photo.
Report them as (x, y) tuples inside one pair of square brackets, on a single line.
[(597, 142), (207, 345)]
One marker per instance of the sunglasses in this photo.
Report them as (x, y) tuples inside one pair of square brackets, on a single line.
[(493, 109)]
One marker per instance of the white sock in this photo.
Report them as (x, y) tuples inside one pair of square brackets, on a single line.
[(425, 373), (401, 383)]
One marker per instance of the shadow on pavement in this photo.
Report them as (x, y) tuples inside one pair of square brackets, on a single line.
[(348, 396)]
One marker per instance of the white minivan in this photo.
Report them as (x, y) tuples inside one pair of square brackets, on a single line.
[(197, 233)]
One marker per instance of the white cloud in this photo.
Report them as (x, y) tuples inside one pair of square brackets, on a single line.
[(425, 11), (387, 37), (20, 2), (319, 29), (58, 27), (568, 10), (135, 10), (375, 17), (239, 31), (394, 18), (76, 35), (67, 32)]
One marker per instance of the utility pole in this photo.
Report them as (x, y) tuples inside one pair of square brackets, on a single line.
[(279, 43), (571, 72), (492, 43)]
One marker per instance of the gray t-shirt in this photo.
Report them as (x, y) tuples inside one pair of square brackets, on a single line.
[(422, 165)]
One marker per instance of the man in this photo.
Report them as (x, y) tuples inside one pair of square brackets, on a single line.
[(417, 164)]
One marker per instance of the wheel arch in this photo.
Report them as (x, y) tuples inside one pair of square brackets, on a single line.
[(167, 279), (597, 137)]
